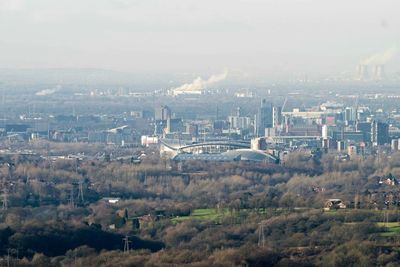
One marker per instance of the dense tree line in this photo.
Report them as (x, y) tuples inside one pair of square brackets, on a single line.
[(57, 215)]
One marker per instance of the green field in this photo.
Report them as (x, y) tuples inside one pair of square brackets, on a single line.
[(217, 215), (204, 214), (392, 228)]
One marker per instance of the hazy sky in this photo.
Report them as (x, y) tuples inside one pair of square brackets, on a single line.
[(259, 36)]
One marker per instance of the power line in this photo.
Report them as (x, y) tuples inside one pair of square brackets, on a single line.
[(5, 198), (80, 192), (8, 257), (261, 235), (71, 198), (126, 243), (5, 192)]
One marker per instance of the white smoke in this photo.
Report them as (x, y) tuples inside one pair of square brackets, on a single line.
[(380, 58), (199, 84), (46, 92)]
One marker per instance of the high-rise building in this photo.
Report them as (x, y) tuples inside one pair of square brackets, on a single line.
[(244, 122), (192, 129), (324, 131), (365, 128), (395, 144), (162, 113), (264, 117), (236, 121), (238, 112), (174, 125), (277, 116), (379, 133), (350, 115)]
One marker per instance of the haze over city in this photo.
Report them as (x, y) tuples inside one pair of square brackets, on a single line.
[(255, 38), (185, 133)]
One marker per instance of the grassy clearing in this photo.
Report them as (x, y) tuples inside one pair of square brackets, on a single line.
[(217, 215), (389, 224), (204, 214), (392, 228)]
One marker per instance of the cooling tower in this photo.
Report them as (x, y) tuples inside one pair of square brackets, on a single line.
[(379, 72), (362, 72)]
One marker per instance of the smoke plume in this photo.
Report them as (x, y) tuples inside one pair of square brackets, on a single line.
[(381, 58), (200, 84)]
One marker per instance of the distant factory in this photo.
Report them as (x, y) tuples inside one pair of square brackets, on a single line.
[(198, 85), (373, 67), (366, 73)]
